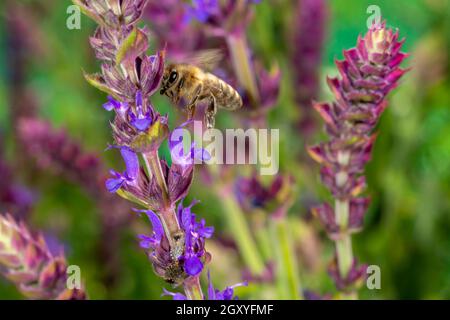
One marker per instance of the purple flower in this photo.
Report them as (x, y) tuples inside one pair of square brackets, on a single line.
[(308, 41), (115, 105), (201, 10), (175, 295), (129, 176), (222, 17), (180, 156), (153, 241), (195, 235), (251, 193), (140, 120)]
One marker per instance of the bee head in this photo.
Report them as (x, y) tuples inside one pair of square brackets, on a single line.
[(169, 78)]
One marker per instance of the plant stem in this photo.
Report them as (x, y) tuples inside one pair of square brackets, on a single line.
[(238, 226), (344, 243), (286, 265), (167, 214), (238, 46), (193, 289)]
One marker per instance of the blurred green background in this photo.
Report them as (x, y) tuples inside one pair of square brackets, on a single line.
[(407, 229)]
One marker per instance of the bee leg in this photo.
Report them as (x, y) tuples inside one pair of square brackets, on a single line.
[(210, 114), (191, 106)]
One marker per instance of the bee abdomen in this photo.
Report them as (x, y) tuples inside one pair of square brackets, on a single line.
[(226, 96)]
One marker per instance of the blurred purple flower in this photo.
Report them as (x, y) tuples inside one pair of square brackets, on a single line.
[(222, 17), (309, 37), (26, 260)]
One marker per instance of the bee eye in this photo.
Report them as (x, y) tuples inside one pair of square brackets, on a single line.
[(173, 76)]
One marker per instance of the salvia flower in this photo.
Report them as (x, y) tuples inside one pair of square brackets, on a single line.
[(195, 235), (185, 156), (368, 73), (222, 17), (274, 197), (135, 184), (171, 30), (137, 125), (213, 294), (130, 77), (174, 267), (309, 36), (55, 151), (26, 260), (13, 195)]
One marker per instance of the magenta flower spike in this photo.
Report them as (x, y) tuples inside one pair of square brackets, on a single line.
[(308, 41), (368, 73)]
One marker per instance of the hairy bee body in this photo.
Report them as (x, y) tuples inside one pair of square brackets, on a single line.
[(226, 96), (195, 85)]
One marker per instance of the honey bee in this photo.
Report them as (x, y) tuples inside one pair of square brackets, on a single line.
[(194, 84)]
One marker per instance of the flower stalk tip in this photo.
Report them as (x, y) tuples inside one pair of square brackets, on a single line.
[(368, 73)]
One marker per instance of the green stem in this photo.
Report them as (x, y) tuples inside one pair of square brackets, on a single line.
[(167, 214), (239, 228), (193, 289), (286, 264), (344, 243)]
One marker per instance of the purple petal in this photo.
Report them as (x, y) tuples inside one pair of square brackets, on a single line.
[(205, 232), (193, 266), (142, 123), (139, 98), (114, 184), (146, 241), (211, 290), (131, 162), (175, 296), (111, 104), (186, 219), (201, 154), (156, 223)]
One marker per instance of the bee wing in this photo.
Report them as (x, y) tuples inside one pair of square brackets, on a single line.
[(206, 59)]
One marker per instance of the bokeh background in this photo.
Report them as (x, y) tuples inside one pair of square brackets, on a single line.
[(407, 229)]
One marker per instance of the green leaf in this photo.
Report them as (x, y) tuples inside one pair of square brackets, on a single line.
[(97, 81), (133, 46), (88, 12)]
